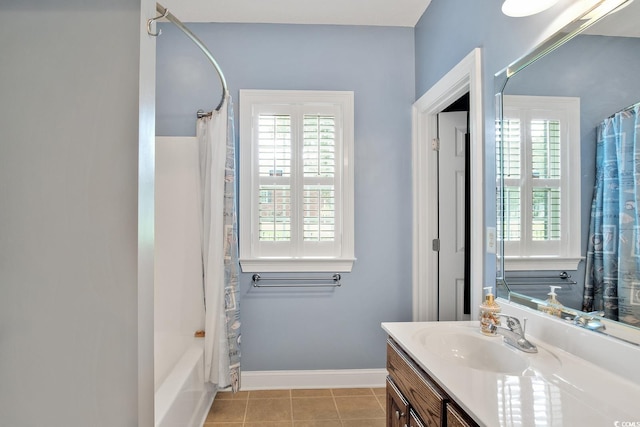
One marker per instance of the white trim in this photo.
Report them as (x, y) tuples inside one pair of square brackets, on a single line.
[(299, 265), (464, 77), (341, 378)]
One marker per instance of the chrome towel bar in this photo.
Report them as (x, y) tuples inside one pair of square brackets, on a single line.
[(335, 279), (563, 278)]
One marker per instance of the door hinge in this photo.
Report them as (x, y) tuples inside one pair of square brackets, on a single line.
[(435, 245), (435, 144)]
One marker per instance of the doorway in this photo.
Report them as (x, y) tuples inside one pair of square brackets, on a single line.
[(464, 78), (453, 216)]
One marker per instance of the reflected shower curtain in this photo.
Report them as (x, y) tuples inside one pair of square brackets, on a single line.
[(612, 279), (220, 247)]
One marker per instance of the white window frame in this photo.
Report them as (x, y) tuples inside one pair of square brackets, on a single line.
[(527, 255), (255, 257)]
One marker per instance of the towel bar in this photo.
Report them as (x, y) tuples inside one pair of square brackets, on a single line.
[(335, 278)]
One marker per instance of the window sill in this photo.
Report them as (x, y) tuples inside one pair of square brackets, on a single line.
[(541, 263), (296, 265)]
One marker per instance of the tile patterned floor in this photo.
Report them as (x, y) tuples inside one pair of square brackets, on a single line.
[(337, 407)]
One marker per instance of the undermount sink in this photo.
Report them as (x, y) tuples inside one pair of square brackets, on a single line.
[(467, 347)]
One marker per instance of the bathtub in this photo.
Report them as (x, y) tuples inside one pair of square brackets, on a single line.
[(183, 399)]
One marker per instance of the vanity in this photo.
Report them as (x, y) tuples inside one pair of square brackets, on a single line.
[(449, 374), (413, 396)]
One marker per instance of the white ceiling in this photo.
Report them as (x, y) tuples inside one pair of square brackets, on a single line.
[(623, 23), (395, 13)]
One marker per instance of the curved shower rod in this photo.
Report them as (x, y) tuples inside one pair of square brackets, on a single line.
[(170, 17)]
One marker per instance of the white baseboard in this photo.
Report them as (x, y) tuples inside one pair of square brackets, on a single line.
[(341, 378)]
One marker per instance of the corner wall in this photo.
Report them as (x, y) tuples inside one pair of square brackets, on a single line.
[(69, 151)]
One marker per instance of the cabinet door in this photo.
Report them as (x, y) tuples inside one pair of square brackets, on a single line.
[(397, 406), (457, 418), (414, 421), (422, 393)]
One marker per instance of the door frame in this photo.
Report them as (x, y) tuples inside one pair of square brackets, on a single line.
[(465, 77)]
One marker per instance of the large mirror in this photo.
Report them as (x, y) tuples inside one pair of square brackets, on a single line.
[(569, 171)]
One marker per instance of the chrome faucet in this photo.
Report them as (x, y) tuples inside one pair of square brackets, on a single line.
[(513, 334), (589, 322)]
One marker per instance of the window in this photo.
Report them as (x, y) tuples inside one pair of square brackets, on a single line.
[(296, 181), (541, 173)]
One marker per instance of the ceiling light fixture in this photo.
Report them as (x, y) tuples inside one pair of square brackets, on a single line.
[(519, 8)]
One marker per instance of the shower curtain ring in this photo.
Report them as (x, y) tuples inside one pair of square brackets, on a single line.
[(152, 20)]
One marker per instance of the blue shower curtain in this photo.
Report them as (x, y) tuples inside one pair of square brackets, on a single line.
[(220, 247), (612, 281)]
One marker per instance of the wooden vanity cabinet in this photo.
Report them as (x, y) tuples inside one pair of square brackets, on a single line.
[(413, 398)]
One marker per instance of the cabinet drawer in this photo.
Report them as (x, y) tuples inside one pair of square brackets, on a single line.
[(413, 383)]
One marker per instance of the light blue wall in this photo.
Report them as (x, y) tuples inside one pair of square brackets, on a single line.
[(305, 329)]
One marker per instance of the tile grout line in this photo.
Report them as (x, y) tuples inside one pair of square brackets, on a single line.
[(384, 409), (246, 409), (335, 405), (342, 421), (291, 406)]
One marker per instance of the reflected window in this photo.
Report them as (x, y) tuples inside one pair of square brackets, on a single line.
[(540, 137)]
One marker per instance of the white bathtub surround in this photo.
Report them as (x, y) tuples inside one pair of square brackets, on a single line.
[(178, 298), (180, 393)]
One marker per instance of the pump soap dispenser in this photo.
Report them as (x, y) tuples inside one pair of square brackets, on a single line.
[(489, 310), (552, 306)]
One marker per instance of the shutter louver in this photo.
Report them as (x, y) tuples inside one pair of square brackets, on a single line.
[(545, 174), (319, 169), (274, 170)]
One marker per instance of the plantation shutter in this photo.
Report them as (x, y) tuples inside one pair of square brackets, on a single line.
[(296, 181), (298, 171), (539, 208)]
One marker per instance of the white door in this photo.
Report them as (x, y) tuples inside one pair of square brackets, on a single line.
[(452, 128)]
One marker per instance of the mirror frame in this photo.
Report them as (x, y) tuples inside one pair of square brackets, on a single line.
[(585, 20)]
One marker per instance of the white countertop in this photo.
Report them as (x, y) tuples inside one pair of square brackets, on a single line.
[(558, 388)]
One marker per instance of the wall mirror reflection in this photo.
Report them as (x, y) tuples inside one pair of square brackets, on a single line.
[(569, 171)]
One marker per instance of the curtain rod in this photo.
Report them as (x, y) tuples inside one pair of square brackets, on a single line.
[(171, 18), (630, 107)]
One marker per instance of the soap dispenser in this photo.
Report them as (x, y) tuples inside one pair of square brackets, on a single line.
[(489, 310), (552, 306)]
